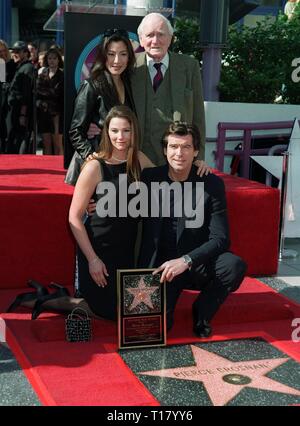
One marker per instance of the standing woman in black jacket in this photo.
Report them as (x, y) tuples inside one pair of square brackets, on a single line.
[(108, 86)]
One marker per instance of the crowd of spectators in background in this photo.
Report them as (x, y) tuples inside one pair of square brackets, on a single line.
[(32, 99)]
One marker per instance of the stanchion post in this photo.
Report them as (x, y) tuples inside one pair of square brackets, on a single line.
[(284, 186), (34, 117)]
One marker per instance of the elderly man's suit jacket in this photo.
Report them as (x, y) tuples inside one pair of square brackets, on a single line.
[(185, 97)]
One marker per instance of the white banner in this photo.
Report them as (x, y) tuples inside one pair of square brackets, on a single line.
[(292, 213), (273, 164), (2, 71)]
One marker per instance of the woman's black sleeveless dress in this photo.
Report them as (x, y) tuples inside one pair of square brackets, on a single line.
[(113, 239)]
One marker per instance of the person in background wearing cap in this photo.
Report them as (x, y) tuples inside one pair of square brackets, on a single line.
[(20, 102)]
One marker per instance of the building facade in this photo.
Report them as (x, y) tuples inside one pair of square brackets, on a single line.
[(25, 19)]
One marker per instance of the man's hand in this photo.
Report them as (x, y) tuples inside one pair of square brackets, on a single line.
[(91, 207), (93, 131), (203, 168), (171, 269)]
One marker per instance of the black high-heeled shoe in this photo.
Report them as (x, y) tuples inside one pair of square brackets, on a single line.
[(29, 296), (40, 289), (64, 291), (38, 306)]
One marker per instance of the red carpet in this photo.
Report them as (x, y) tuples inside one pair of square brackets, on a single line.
[(93, 373), (37, 242), (34, 221)]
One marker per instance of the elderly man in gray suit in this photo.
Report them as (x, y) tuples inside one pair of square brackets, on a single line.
[(166, 87)]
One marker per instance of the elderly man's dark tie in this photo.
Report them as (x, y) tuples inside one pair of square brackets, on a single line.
[(158, 78)]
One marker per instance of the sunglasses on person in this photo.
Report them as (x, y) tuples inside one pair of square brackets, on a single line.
[(115, 31)]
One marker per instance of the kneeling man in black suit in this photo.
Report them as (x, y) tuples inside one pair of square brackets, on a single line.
[(186, 237)]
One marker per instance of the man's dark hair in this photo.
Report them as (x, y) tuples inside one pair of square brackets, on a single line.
[(182, 129), (33, 43)]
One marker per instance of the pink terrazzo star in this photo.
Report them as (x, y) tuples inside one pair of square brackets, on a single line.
[(224, 379), (141, 293)]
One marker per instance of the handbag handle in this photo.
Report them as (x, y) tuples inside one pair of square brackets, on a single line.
[(73, 314)]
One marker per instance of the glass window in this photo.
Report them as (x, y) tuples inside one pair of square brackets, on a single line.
[(251, 20)]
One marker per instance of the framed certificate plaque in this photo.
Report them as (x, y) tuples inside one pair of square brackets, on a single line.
[(141, 309)]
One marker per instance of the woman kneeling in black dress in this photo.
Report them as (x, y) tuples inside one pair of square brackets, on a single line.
[(106, 240)]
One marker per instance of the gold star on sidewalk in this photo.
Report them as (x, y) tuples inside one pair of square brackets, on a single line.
[(224, 379), (142, 294)]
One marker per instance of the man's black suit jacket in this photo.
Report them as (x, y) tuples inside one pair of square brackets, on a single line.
[(202, 244)]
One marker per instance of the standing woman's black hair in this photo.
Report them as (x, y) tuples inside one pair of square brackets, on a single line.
[(110, 36)]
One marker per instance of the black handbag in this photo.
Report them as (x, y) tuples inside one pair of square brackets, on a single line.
[(78, 326)]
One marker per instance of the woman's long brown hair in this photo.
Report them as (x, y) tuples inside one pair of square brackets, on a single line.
[(106, 148)]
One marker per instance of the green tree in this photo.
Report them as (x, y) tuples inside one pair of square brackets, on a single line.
[(257, 61), (186, 37)]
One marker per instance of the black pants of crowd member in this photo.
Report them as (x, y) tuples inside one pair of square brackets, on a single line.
[(18, 137), (215, 280), (3, 133), (3, 111)]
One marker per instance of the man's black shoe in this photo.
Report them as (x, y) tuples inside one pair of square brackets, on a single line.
[(202, 328), (170, 320)]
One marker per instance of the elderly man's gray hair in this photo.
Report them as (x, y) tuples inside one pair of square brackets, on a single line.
[(153, 15)]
